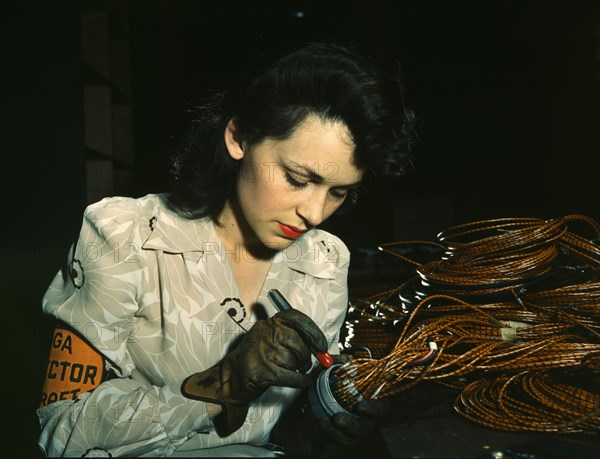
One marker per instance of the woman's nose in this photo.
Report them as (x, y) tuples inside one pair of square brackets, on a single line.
[(312, 207)]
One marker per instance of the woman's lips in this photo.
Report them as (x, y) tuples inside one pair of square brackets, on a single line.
[(291, 231)]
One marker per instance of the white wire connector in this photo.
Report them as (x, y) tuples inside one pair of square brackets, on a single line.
[(427, 357)]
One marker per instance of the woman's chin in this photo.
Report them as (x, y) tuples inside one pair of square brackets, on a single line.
[(278, 244)]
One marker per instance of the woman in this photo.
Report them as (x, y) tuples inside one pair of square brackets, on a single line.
[(166, 340)]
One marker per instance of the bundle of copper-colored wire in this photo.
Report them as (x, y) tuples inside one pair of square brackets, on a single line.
[(509, 316)]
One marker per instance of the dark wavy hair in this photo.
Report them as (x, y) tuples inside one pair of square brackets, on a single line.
[(334, 82)]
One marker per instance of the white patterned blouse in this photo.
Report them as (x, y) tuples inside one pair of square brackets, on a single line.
[(154, 293)]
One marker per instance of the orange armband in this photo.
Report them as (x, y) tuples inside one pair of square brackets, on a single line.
[(74, 367)]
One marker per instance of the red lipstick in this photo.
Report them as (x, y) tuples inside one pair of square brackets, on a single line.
[(291, 231)]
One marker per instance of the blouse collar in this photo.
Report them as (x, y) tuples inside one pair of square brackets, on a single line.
[(315, 253)]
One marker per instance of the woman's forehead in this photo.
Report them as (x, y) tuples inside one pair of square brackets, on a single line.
[(321, 147)]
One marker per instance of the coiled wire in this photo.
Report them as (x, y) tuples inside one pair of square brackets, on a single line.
[(510, 303)]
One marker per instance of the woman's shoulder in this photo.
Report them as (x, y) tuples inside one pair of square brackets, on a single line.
[(117, 206), (122, 214), (126, 203)]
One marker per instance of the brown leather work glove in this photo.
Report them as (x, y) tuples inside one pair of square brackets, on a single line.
[(268, 355), (302, 434)]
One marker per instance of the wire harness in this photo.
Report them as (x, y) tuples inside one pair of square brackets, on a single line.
[(509, 316)]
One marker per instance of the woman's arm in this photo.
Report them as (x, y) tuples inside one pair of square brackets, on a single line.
[(96, 295), (124, 417)]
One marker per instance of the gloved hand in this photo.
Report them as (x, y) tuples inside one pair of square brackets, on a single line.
[(268, 355), (302, 434)]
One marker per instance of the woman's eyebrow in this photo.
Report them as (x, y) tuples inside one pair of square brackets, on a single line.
[(314, 175), (350, 186)]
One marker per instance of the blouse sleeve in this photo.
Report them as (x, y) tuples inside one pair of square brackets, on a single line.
[(97, 295)]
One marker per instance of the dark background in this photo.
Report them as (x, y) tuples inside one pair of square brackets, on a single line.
[(507, 93)]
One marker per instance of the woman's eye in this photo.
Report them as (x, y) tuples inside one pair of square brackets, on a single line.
[(338, 195), (295, 183)]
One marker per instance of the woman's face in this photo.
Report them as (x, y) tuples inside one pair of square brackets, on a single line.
[(287, 187)]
